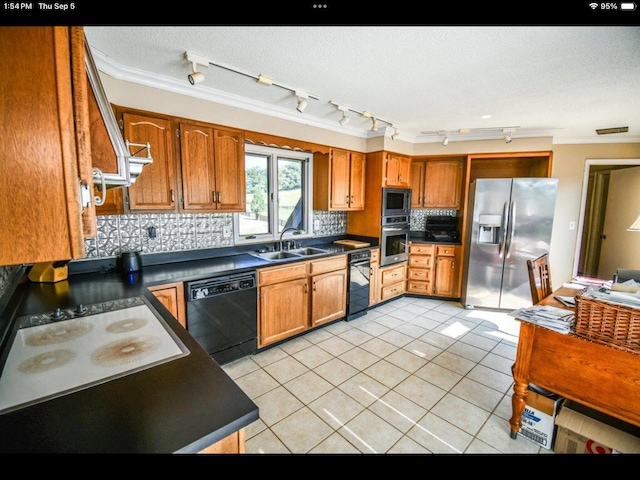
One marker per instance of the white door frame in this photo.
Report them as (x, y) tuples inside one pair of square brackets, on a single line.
[(583, 201)]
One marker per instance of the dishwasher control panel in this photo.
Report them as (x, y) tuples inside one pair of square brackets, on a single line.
[(221, 285)]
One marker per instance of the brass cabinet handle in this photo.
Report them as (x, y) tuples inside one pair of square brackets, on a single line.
[(172, 197)]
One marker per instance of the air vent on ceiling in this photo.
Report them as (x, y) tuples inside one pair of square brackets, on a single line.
[(607, 131)]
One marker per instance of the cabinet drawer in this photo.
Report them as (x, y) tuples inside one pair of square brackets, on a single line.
[(421, 248), (421, 261), (419, 274), (418, 287), (393, 275), (445, 251), (328, 264), (279, 274), (393, 290)]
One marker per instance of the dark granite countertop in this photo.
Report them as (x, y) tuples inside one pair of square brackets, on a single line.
[(181, 406)]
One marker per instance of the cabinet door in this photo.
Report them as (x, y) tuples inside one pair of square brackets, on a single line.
[(328, 297), (445, 276), (398, 170), (374, 283), (340, 171), (284, 310), (171, 295), (443, 184), (155, 188), (357, 177), (40, 218), (196, 161), (417, 183), (229, 170)]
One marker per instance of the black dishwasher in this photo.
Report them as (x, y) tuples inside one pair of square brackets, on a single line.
[(222, 315), (358, 290)]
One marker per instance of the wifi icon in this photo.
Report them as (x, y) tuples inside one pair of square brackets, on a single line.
[(593, 5)]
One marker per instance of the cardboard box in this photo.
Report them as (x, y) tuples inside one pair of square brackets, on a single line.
[(538, 418), (584, 430)]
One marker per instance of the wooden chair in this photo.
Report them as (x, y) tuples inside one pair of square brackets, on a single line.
[(539, 278)]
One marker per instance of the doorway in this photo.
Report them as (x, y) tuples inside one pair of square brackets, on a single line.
[(593, 212)]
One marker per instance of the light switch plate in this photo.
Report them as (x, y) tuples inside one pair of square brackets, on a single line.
[(226, 231)]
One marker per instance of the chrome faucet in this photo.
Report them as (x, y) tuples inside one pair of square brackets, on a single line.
[(286, 230)]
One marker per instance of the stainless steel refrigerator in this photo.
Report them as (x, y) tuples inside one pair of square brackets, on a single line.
[(510, 221)]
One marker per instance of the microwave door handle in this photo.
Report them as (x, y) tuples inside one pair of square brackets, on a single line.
[(394, 229)]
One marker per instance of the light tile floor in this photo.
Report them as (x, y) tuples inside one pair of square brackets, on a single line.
[(413, 375)]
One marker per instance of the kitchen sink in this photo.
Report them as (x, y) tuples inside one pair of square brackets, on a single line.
[(275, 255), (308, 251), (289, 254)]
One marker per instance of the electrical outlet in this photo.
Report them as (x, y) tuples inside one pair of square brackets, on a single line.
[(226, 231), (572, 225), (316, 225)]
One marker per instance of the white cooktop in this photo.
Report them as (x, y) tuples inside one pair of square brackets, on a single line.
[(53, 358)]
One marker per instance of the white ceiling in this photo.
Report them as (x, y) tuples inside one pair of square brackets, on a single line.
[(564, 81)]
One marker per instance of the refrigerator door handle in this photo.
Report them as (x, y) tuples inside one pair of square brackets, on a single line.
[(512, 226), (505, 221)]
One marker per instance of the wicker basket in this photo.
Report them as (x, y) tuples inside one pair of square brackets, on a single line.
[(614, 325)]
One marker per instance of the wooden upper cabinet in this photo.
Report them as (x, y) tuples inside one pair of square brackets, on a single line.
[(198, 180), (212, 165), (229, 170), (155, 188), (398, 168), (45, 144), (443, 183), (417, 183), (436, 183), (339, 180)]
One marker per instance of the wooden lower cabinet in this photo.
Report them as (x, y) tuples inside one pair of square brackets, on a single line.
[(433, 270), (420, 274), (374, 277), (295, 297), (234, 443), (392, 280), (171, 295), (446, 271)]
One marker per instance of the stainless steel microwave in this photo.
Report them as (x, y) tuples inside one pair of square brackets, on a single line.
[(396, 201)]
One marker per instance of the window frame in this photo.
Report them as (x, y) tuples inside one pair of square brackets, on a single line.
[(273, 154)]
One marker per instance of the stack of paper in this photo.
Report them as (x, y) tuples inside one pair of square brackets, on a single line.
[(580, 283), (618, 298), (558, 319)]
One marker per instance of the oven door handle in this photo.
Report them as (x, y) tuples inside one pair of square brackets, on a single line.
[(393, 229)]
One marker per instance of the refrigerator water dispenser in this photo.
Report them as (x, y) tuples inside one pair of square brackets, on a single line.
[(489, 229)]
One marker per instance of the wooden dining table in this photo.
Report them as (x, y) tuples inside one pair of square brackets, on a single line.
[(594, 374)]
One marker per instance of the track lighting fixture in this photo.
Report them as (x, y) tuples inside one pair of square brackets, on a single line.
[(507, 134), (195, 76), (445, 140), (374, 124), (344, 120), (395, 133), (302, 100)]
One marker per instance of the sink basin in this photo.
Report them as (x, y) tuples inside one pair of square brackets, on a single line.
[(308, 251), (275, 255)]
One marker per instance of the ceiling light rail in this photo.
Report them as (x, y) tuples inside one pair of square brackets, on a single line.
[(505, 132), (374, 120), (197, 77)]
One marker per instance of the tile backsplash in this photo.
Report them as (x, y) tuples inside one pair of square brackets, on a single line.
[(419, 216), (182, 231)]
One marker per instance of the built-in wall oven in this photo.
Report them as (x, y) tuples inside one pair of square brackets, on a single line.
[(394, 243)]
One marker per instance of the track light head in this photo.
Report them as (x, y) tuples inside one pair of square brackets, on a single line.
[(445, 140), (302, 100), (374, 124), (195, 77), (507, 138), (302, 104), (344, 120)]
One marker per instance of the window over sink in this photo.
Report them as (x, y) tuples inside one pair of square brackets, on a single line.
[(278, 196)]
